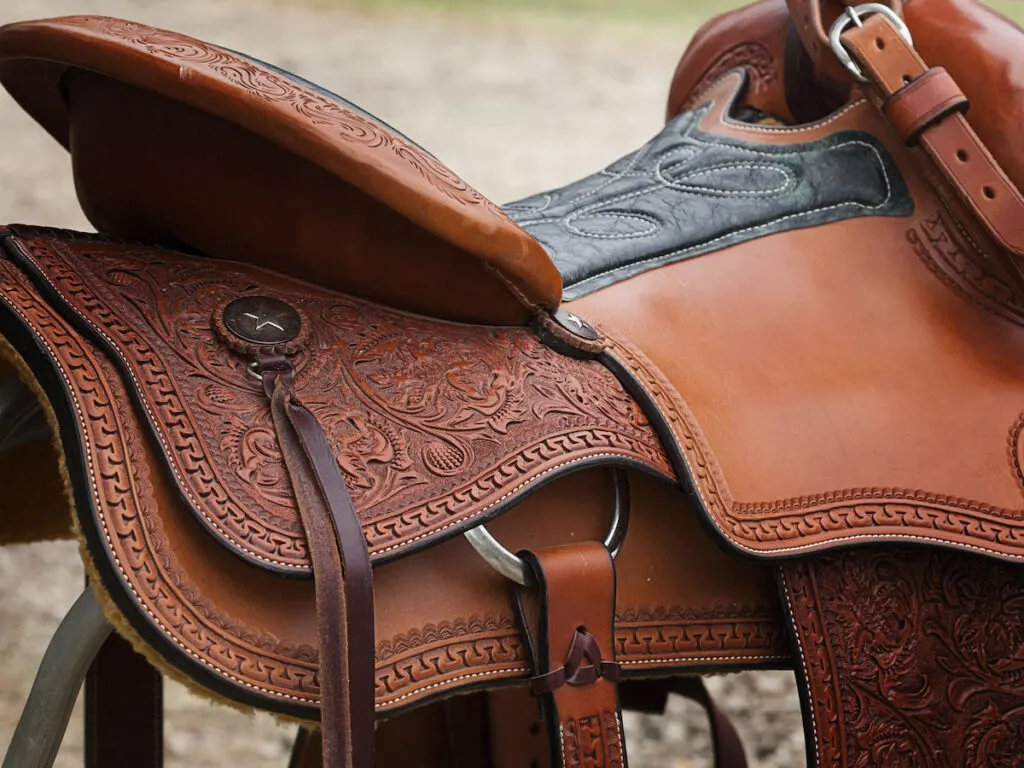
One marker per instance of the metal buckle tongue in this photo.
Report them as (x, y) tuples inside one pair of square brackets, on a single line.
[(854, 16)]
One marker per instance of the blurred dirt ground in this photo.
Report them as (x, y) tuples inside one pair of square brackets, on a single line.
[(514, 108)]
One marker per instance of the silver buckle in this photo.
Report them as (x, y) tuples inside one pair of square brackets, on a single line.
[(854, 17), (512, 567)]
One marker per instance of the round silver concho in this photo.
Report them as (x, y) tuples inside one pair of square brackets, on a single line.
[(262, 320)]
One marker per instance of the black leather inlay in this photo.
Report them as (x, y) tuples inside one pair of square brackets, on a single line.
[(688, 193)]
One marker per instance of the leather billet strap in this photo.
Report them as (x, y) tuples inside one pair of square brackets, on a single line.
[(926, 107), (124, 709), (567, 622), (341, 568), (651, 697), (814, 18)]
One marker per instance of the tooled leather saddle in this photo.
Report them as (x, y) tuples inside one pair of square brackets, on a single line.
[(749, 397)]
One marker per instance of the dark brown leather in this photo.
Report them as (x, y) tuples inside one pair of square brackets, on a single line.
[(308, 750), (570, 623), (725, 740), (124, 709), (341, 569), (922, 102)]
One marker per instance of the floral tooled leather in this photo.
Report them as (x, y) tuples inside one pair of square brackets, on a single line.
[(134, 538), (910, 657), (434, 424)]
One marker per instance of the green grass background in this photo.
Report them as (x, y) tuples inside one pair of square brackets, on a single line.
[(633, 13)]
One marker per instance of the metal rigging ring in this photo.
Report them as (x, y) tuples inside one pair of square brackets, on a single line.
[(513, 567)]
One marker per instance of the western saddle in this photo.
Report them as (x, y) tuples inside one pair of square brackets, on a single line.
[(342, 439)]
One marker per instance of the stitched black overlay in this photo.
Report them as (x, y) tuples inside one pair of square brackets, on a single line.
[(688, 193)]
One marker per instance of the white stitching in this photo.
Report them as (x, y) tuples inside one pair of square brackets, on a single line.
[(158, 430), (792, 130), (613, 177), (84, 435), (710, 190), (443, 683), (832, 542), (713, 657), (803, 665), (599, 214), (492, 505), (772, 223)]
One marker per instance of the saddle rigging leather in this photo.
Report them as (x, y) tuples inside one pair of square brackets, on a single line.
[(800, 342)]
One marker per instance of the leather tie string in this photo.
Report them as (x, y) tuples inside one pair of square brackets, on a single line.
[(568, 624), (341, 568)]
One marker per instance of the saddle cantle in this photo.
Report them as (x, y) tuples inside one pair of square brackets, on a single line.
[(205, 135), (792, 335)]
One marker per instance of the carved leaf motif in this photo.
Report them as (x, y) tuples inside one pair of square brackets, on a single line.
[(925, 656), (432, 423)]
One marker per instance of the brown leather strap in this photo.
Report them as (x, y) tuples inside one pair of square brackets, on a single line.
[(518, 733), (124, 713), (651, 697), (468, 726), (568, 625), (814, 18), (308, 749), (923, 102), (891, 64), (728, 746), (342, 573)]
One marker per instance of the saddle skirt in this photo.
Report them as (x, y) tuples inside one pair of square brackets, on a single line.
[(792, 338)]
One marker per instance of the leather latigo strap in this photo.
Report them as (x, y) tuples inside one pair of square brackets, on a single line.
[(341, 568), (568, 622), (926, 107), (908, 657)]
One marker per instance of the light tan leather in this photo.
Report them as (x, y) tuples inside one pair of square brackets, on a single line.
[(373, 159), (980, 49), (752, 38), (575, 600), (976, 45), (922, 102), (166, 172), (813, 379), (951, 144)]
